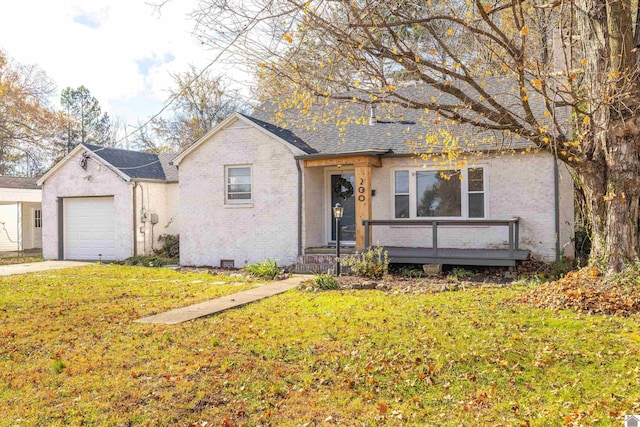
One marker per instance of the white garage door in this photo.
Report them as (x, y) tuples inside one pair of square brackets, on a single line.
[(89, 228)]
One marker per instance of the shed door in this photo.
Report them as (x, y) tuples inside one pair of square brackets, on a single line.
[(89, 228)]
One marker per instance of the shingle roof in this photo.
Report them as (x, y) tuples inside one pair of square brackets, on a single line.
[(343, 126), (170, 171), (136, 164), (18, 182), (285, 134)]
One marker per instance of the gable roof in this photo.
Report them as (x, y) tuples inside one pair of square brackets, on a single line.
[(284, 134), (136, 164), (127, 164), (21, 182), (170, 171), (343, 126), (295, 145)]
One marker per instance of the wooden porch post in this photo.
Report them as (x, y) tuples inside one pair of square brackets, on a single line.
[(362, 192)]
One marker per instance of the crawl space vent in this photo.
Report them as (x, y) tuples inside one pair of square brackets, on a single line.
[(227, 263)]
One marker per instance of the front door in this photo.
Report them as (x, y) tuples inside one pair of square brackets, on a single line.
[(341, 186)]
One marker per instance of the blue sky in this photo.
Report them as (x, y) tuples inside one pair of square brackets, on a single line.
[(123, 51)]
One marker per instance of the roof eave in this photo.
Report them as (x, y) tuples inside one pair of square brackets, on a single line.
[(159, 181), (58, 165), (377, 153)]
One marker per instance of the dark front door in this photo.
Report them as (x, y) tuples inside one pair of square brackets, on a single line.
[(342, 191)]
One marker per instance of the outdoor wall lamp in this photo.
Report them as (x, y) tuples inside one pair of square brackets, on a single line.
[(338, 211)]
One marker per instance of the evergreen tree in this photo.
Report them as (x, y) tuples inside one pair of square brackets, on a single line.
[(86, 123)]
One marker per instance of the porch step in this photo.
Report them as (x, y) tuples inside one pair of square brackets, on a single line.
[(313, 264)]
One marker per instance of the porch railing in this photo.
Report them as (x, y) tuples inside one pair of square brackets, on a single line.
[(513, 225)]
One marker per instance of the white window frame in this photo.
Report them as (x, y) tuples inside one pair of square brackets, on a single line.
[(226, 185), (464, 188), (483, 191), (37, 218)]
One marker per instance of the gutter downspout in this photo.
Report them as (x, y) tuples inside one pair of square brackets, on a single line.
[(135, 236), (556, 189), (299, 207)]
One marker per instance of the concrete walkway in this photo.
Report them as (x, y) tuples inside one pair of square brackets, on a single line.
[(32, 267), (208, 308)]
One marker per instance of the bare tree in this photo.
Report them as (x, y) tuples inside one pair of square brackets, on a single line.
[(200, 101)]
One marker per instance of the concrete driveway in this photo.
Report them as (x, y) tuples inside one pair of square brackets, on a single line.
[(31, 267)]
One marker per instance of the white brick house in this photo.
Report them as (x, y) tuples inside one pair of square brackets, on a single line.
[(103, 203), (258, 222), (250, 190)]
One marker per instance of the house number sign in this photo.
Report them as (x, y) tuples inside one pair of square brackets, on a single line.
[(361, 190)]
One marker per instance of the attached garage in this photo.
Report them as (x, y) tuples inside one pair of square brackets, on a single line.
[(89, 228)]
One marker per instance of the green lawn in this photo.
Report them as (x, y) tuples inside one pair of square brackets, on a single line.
[(71, 355)]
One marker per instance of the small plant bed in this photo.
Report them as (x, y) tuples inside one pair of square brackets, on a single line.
[(231, 272), (150, 261), (268, 269), (320, 282), (412, 279)]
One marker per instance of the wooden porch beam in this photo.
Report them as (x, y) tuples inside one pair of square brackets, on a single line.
[(368, 161), (362, 193)]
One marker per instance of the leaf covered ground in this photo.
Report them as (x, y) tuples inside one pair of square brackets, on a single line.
[(587, 291), (70, 354)]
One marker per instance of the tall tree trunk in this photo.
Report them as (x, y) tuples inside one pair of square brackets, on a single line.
[(623, 197), (610, 169), (612, 193)]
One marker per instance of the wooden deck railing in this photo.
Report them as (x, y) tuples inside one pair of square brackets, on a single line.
[(513, 224)]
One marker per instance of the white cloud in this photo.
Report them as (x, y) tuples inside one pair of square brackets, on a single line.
[(123, 51)]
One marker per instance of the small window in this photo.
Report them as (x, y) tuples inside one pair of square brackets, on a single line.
[(37, 218), (476, 193), (239, 183), (402, 194)]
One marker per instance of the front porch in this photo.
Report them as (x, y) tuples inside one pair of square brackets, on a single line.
[(453, 256), (500, 253), (505, 254), (418, 233), (321, 260)]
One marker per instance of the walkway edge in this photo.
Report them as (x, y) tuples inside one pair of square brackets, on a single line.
[(35, 267), (208, 308)]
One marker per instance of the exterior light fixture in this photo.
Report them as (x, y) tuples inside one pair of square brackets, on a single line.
[(338, 211)]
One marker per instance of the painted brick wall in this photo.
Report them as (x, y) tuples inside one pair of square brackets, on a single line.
[(72, 181), (314, 209), (266, 228), (161, 199)]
